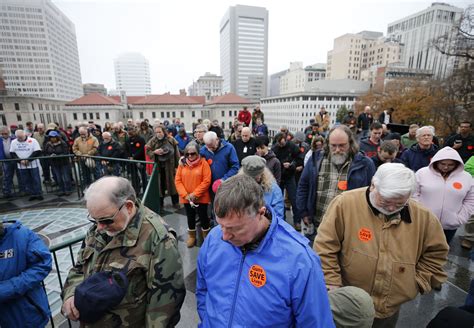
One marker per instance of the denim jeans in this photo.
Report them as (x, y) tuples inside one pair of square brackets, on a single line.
[(9, 169), (32, 180), (62, 173), (289, 183)]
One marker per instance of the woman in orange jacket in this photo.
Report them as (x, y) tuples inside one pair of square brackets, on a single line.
[(192, 183)]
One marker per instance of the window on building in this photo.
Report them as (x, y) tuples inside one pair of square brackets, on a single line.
[(74, 116), (107, 116), (84, 116), (141, 115), (1, 106), (162, 115), (32, 106), (181, 114), (153, 114), (17, 106), (97, 116), (34, 117), (48, 116), (91, 116), (4, 120), (193, 114), (18, 117), (235, 113), (222, 113), (168, 115), (174, 114)]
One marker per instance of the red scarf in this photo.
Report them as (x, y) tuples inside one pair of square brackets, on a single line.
[(194, 163)]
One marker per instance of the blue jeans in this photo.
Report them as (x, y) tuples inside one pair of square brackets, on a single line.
[(9, 169), (62, 173), (449, 234), (32, 180), (289, 184)]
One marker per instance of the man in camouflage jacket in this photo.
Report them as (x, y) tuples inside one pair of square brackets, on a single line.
[(127, 235)]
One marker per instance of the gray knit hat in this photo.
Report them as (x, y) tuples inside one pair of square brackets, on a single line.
[(253, 165)]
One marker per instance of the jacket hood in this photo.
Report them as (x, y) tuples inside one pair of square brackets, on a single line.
[(447, 153), (10, 226)]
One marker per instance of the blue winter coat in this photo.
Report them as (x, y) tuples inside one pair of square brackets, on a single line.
[(360, 174), (224, 162), (24, 262), (415, 158), (274, 198), (182, 141), (280, 284), (2, 151)]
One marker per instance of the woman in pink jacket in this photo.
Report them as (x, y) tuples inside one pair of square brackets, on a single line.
[(447, 190)]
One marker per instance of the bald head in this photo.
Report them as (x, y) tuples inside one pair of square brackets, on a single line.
[(111, 190), (20, 135), (246, 134)]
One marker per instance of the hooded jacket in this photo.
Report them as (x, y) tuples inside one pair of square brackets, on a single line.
[(278, 284), (415, 158), (25, 261), (451, 200)]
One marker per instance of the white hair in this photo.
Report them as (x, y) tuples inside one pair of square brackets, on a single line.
[(209, 137), (19, 133), (394, 180), (419, 132)]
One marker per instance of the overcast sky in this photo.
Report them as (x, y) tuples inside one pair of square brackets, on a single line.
[(181, 38)]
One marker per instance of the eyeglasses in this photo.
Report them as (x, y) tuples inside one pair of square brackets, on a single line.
[(106, 220), (189, 154), (385, 203)]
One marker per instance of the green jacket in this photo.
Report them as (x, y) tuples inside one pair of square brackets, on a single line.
[(156, 286), (469, 166)]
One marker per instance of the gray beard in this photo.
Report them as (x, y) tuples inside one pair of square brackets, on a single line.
[(339, 159), (381, 210)]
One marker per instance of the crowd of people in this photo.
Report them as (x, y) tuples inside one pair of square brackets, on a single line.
[(373, 215)]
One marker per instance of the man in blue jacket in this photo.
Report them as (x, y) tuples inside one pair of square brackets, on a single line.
[(329, 172), (24, 262), (222, 158), (420, 154), (254, 269)]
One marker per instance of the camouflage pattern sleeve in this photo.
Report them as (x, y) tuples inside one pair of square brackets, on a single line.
[(166, 283)]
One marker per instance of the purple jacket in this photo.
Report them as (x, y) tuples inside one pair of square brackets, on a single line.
[(451, 200)]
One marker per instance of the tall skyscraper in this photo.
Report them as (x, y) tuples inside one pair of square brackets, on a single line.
[(244, 51), (417, 30), (132, 74), (38, 50)]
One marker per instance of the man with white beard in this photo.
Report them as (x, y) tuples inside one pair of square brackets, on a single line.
[(338, 167), (380, 240)]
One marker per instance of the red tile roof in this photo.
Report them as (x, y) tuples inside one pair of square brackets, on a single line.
[(94, 99), (229, 98), (168, 99), (165, 99)]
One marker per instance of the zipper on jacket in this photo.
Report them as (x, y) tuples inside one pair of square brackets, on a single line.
[(237, 288)]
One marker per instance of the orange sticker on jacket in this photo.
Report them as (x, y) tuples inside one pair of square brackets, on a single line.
[(209, 161), (457, 185), (302, 149), (310, 136), (342, 185), (365, 235), (257, 276), (109, 147), (137, 145)]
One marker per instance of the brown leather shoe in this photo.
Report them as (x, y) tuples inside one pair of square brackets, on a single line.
[(466, 244)]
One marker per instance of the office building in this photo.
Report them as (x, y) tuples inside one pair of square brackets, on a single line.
[(208, 85), (94, 88), (244, 51), (132, 74), (353, 53), (416, 31), (38, 50), (298, 79)]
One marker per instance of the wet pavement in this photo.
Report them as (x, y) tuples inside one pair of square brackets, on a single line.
[(416, 313)]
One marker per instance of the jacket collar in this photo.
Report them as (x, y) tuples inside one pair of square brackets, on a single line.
[(404, 213)]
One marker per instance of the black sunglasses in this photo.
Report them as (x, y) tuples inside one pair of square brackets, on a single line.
[(189, 154), (106, 220)]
